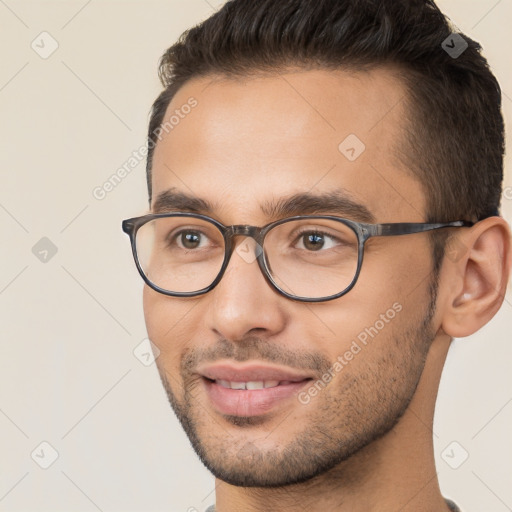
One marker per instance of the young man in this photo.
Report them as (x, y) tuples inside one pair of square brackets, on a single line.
[(291, 139)]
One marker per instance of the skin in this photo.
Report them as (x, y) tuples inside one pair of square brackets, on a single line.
[(364, 443)]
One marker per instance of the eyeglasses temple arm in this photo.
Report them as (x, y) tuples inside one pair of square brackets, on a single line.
[(406, 228)]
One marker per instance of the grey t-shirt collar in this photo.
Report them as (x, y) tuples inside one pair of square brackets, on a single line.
[(450, 504)]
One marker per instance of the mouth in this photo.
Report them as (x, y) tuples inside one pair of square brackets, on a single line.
[(252, 384), (250, 389)]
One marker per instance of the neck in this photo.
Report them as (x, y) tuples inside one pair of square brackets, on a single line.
[(395, 472)]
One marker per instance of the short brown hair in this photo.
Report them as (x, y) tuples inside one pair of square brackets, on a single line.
[(455, 136)]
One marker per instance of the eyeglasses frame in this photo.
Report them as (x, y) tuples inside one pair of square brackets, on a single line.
[(363, 231)]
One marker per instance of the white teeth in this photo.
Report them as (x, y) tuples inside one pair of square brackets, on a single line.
[(256, 384)]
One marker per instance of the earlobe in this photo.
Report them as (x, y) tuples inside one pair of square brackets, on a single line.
[(477, 282)]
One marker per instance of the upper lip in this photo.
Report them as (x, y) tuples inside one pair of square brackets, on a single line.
[(250, 372)]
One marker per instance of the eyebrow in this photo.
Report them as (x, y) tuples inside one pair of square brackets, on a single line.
[(172, 200), (337, 202)]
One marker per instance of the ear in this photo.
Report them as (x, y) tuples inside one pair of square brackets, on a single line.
[(474, 276)]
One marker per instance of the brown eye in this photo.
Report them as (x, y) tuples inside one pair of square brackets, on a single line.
[(313, 241), (190, 239)]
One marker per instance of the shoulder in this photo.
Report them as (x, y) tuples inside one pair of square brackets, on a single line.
[(450, 504)]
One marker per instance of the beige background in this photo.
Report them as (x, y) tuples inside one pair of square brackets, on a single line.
[(69, 325)]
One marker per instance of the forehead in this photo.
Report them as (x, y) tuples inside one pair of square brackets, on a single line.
[(252, 140)]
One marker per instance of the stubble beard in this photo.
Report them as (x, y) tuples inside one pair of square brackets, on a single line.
[(368, 405)]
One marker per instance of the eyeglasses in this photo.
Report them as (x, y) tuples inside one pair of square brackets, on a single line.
[(309, 258)]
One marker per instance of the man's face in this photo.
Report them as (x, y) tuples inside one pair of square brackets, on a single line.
[(250, 143)]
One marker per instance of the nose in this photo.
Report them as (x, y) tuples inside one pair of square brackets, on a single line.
[(243, 302)]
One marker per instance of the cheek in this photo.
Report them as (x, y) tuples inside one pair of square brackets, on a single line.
[(169, 326), (152, 313), (391, 296), (394, 267)]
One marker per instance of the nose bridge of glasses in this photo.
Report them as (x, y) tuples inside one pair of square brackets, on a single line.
[(245, 230)]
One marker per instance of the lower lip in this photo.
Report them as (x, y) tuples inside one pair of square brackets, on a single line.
[(250, 402)]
